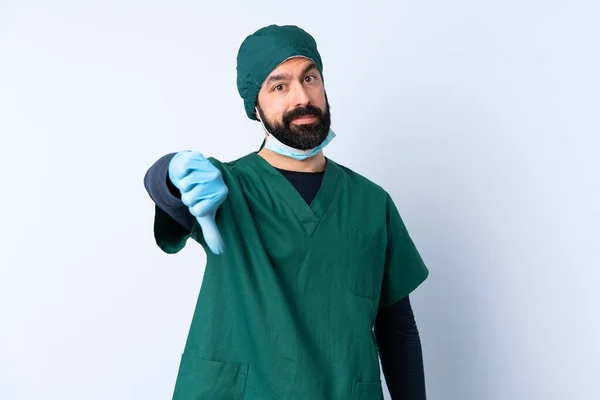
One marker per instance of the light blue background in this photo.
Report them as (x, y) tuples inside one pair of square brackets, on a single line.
[(480, 118)]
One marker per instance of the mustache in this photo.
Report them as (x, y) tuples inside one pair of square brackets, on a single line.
[(309, 110)]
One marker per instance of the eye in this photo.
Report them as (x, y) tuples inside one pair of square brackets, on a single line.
[(310, 79), (278, 88)]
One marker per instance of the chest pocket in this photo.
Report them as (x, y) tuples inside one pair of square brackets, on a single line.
[(366, 262)]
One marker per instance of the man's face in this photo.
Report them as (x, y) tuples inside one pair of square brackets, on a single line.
[(293, 106)]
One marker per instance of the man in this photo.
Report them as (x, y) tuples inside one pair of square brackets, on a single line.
[(304, 256)]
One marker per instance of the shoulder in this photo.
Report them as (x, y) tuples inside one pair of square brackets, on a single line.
[(230, 166), (357, 181)]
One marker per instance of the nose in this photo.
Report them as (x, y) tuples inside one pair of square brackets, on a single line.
[(298, 96)]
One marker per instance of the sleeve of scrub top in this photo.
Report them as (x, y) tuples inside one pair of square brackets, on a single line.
[(404, 267), (400, 351), (172, 219)]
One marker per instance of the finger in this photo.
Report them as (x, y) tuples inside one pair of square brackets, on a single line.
[(178, 167), (203, 208), (197, 177), (200, 163), (211, 234), (204, 199), (191, 197), (186, 161)]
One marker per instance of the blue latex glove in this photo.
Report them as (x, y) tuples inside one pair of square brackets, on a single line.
[(202, 191)]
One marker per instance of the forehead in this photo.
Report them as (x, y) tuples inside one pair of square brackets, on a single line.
[(291, 65)]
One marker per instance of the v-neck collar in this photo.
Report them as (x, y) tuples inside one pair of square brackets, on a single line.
[(308, 215)]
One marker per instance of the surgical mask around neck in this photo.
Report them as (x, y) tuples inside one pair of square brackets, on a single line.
[(276, 146)]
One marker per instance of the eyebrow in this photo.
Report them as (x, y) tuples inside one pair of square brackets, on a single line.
[(282, 77)]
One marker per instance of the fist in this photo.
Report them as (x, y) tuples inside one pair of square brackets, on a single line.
[(202, 191)]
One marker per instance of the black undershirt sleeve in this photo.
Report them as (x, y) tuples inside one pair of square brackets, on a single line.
[(400, 351)]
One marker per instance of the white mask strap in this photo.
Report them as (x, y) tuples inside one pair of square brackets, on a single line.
[(261, 121)]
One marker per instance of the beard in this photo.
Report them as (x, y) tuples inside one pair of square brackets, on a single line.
[(304, 136)]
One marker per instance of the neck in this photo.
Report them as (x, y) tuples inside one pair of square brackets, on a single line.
[(312, 164)]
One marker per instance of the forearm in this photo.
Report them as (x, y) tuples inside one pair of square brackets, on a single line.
[(400, 351)]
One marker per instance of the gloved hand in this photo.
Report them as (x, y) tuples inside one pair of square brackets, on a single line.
[(202, 190)]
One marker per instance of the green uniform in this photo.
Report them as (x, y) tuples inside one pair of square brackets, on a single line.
[(287, 311)]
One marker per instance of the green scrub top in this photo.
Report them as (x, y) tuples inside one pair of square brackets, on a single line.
[(287, 311)]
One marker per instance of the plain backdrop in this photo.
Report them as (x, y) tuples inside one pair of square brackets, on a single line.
[(481, 119)]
